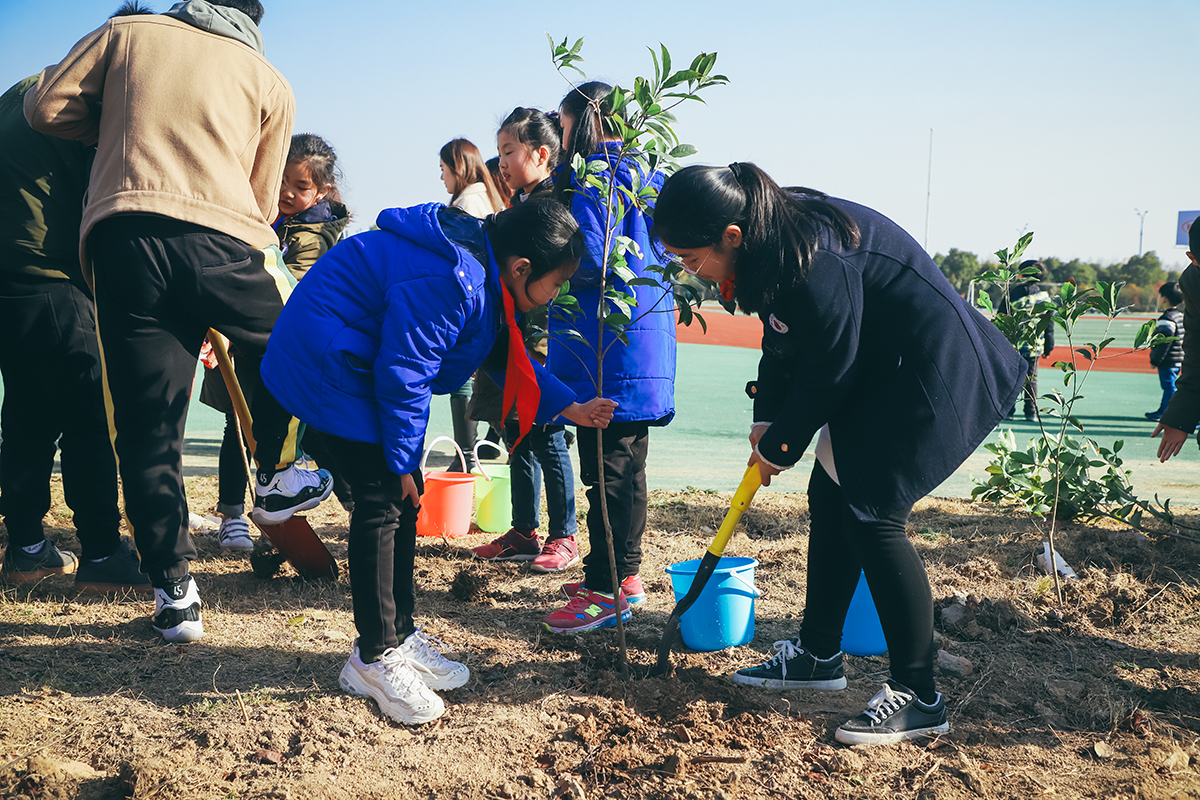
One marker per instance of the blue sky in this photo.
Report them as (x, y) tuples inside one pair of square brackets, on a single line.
[(1056, 116)]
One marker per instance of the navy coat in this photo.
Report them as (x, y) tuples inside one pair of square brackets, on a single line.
[(878, 345)]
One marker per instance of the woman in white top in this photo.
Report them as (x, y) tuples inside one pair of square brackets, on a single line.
[(467, 179)]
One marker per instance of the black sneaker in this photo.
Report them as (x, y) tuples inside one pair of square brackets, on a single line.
[(177, 611), (894, 715), (793, 667), (120, 572), (22, 567), (279, 495)]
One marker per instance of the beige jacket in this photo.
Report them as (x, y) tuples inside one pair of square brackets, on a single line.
[(195, 125)]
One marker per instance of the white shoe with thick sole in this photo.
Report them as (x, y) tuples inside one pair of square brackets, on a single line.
[(279, 495), (394, 685), (177, 612), (438, 672)]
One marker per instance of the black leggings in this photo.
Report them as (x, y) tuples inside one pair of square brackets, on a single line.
[(840, 545)]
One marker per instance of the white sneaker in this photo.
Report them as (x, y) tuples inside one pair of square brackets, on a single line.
[(177, 611), (279, 495), (438, 672), (234, 534), (394, 685)]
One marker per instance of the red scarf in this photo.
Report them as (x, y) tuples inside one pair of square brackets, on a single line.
[(520, 382)]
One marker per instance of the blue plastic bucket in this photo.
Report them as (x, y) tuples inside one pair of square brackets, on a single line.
[(862, 635), (723, 614)]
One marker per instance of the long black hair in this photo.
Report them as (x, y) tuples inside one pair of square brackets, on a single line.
[(590, 106), (318, 155), (780, 227), (541, 230)]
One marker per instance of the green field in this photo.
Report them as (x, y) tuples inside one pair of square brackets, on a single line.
[(705, 446)]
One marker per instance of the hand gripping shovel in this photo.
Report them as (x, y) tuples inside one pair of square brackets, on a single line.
[(741, 501), (295, 538)]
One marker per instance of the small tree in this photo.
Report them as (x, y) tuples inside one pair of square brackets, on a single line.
[(1061, 475), (643, 118)]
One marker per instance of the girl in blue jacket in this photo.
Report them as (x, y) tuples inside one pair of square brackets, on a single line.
[(383, 321), (862, 336), (639, 375)]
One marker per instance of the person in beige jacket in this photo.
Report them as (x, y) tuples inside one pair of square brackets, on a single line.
[(192, 126)]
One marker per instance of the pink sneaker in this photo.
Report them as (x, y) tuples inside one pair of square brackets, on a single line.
[(631, 587), (557, 554), (587, 610), (512, 546)]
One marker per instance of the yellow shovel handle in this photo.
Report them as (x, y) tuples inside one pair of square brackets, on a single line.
[(240, 408), (741, 501)]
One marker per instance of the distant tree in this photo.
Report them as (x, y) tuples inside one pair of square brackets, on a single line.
[(1083, 273), (1143, 270), (959, 267)]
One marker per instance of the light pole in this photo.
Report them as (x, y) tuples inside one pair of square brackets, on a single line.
[(1141, 227)]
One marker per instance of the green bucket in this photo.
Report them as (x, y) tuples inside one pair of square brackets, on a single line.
[(493, 499)]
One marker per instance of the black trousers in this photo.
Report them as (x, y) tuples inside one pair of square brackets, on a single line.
[(840, 546), (53, 396), (160, 285), (624, 449), (383, 546)]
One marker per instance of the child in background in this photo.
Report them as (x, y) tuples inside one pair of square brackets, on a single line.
[(390, 318), (467, 179), (529, 146), (493, 168), (1168, 356), (311, 219), (471, 191), (639, 376)]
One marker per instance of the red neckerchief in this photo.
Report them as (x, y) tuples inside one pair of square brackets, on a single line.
[(520, 382), (727, 289)]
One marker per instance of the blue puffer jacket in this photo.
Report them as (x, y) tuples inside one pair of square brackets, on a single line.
[(384, 320), (640, 376)]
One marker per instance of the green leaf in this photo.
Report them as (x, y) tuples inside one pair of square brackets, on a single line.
[(682, 151)]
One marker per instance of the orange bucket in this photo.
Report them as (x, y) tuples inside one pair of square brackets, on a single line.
[(448, 499)]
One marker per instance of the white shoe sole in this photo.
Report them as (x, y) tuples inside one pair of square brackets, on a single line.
[(852, 737), (774, 683), (443, 682), (189, 631), (260, 516), (349, 681)]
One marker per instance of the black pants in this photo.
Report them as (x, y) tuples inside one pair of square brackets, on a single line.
[(160, 285), (50, 360), (625, 445), (840, 546), (383, 546)]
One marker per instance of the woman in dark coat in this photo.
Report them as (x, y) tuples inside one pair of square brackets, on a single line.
[(868, 347)]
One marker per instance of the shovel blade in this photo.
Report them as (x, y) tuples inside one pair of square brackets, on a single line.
[(299, 544)]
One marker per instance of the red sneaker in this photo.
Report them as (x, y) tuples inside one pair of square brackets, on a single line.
[(557, 554), (512, 546), (631, 587), (587, 610)]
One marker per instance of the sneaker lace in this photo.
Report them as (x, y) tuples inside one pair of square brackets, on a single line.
[(400, 676), (886, 703), (784, 650), (429, 648)]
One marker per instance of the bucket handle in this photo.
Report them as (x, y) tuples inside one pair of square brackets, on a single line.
[(755, 592), (462, 458), (475, 454)]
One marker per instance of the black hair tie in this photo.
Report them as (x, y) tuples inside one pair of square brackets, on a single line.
[(736, 169)]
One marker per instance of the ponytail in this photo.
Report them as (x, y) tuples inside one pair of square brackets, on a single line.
[(542, 231), (780, 227), (590, 106)]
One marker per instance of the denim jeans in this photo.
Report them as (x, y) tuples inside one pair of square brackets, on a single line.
[(1166, 379), (543, 451)]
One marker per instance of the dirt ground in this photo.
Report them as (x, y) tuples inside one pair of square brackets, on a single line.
[(1093, 698)]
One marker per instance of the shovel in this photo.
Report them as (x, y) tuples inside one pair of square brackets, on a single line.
[(741, 501), (295, 538)]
